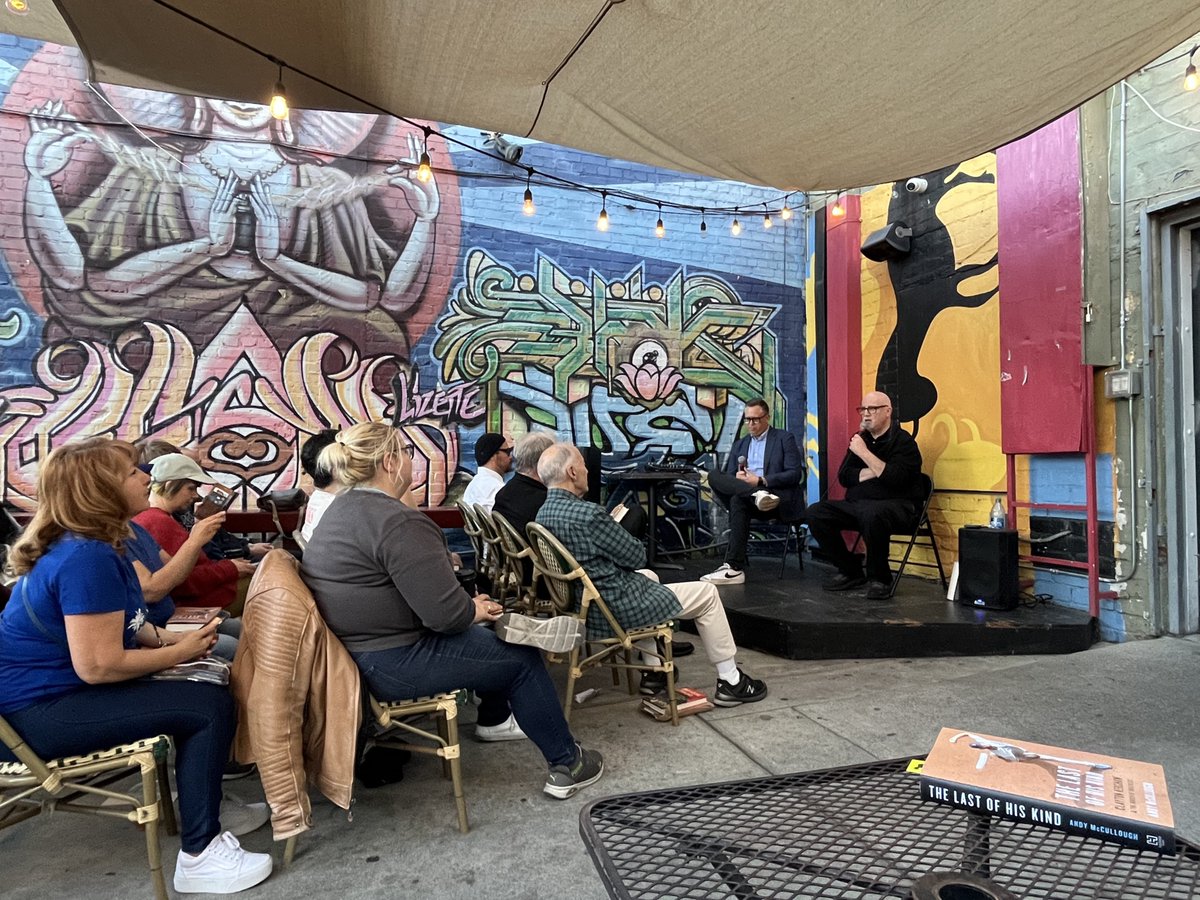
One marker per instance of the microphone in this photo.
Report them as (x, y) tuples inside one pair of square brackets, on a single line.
[(741, 464)]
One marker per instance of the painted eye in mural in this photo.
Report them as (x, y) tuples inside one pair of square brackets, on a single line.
[(650, 353)]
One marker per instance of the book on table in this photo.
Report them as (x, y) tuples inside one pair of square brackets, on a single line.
[(688, 701), (1105, 797), (189, 618)]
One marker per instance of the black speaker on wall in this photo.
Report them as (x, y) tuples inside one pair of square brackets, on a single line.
[(987, 567)]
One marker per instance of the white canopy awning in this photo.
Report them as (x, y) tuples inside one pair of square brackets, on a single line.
[(795, 94)]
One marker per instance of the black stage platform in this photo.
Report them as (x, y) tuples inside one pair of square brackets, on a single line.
[(793, 618)]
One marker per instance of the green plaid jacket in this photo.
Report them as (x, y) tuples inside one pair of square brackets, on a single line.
[(609, 554)]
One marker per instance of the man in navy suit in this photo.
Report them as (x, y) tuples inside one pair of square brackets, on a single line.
[(761, 480)]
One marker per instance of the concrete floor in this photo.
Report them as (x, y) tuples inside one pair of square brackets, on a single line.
[(1135, 700)]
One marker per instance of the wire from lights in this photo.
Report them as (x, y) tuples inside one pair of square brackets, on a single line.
[(1191, 80), (659, 229), (602, 220), (527, 206), (736, 228), (424, 169), (279, 104)]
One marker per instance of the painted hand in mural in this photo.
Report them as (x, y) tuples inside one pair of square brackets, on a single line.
[(222, 224), (423, 196), (52, 135), (266, 221)]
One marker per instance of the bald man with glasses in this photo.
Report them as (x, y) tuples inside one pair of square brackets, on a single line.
[(882, 477)]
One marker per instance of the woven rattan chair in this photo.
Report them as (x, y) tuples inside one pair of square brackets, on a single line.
[(495, 565), (514, 589), (474, 533), (563, 575), (33, 785)]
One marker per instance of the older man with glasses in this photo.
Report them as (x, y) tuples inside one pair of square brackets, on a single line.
[(882, 477), (761, 480)]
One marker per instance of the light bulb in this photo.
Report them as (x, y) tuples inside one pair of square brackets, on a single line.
[(527, 207), (767, 223), (602, 222), (703, 226), (659, 229), (785, 213), (424, 171), (279, 104), (735, 228), (837, 210), (1190, 80)]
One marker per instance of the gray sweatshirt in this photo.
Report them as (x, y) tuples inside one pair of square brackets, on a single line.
[(381, 574)]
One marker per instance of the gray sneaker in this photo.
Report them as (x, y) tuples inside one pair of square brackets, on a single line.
[(558, 634), (564, 782)]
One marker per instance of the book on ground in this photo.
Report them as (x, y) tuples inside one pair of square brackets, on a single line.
[(688, 701), (189, 618), (1105, 797)]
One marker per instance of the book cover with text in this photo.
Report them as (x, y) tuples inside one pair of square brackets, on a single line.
[(1105, 797)]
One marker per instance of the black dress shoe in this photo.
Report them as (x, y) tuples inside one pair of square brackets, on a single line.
[(842, 582), (678, 648), (877, 590)]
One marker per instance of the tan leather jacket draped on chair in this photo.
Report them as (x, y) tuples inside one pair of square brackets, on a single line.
[(297, 691)]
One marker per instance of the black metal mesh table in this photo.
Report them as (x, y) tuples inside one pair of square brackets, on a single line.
[(854, 832)]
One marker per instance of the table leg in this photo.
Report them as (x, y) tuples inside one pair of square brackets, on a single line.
[(652, 538)]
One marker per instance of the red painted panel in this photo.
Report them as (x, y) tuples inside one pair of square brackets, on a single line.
[(1040, 212), (843, 337)]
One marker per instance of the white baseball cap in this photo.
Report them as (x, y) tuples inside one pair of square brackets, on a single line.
[(176, 467)]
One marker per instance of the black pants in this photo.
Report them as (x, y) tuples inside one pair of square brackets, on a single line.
[(875, 520), (737, 497)]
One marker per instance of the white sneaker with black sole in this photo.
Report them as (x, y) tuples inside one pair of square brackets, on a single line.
[(726, 574)]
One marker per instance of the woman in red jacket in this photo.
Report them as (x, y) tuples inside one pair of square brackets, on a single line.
[(175, 483)]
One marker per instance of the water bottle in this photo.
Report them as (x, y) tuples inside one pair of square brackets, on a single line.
[(997, 519)]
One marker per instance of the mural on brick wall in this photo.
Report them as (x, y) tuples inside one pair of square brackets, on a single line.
[(931, 321), (218, 279)]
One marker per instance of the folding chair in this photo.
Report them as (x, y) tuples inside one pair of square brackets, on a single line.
[(33, 785), (562, 573), (795, 534), (921, 530)]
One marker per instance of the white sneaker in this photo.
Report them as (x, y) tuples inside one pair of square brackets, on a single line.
[(223, 868), (726, 574), (508, 730), (765, 501)]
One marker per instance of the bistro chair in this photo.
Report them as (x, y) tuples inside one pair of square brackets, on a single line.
[(573, 593), (517, 579), (33, 785), (474, 533)]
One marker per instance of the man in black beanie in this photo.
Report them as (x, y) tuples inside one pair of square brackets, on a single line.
[(493, 454)]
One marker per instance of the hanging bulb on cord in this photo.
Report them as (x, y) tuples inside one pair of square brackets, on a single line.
[(838, 209), (1190, 80), (424, 169), (659, 228), (703, 224), (767, 223), (527, 206), (602, 221), (786, 212), (736, 228), (279, 104)]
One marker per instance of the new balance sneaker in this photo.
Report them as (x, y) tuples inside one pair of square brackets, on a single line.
[(655, 682), (564, 782), (747, 690), (726, 574), (558, 634), (222, 868), (508, 730), (765, 500)]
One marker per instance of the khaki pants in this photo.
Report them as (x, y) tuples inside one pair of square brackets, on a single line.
[(701, 602)]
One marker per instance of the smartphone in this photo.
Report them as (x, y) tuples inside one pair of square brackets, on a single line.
[(215, 501)]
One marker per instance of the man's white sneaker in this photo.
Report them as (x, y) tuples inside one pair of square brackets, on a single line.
[(508, 730), (765, 501), (726, 574), (223, 868)]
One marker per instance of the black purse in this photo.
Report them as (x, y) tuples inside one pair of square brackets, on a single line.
[(282, 501)]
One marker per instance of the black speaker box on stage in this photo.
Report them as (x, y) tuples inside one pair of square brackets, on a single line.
[(987, 567)]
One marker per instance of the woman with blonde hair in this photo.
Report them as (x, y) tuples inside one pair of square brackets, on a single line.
[(383, 581), (74, 645)]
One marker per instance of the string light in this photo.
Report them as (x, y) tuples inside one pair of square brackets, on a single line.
[(424, 170), (602, 221), (767, 223), (279, 104), (736, 228), (527, 206), (786, 212), (1190, 80), (838, 209), (659, 228), (703, 224)]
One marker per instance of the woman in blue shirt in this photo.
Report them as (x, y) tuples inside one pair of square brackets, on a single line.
[(75, 643)]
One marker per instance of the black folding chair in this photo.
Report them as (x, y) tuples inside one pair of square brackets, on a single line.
[(922, 530)]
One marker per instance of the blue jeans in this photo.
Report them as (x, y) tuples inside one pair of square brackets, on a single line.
[(199, 717), (477, 660)]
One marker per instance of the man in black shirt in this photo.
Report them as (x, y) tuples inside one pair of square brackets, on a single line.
[(881, 474), (521, 498)]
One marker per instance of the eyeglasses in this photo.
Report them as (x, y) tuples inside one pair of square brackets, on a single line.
[(869, 410), (753, 418), (507, 450), (408, 450)]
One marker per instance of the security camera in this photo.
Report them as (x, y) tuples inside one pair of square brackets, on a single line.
[(504, 148), (916, 185)]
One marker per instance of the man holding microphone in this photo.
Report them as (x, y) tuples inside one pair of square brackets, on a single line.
[(881, 475), (761, 480)]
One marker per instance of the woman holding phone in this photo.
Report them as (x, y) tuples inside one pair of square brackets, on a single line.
[(74, 645), (175, 483)]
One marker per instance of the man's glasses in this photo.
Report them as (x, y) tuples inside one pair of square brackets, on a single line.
[(870, 410), (507, 450), (749, 419)]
